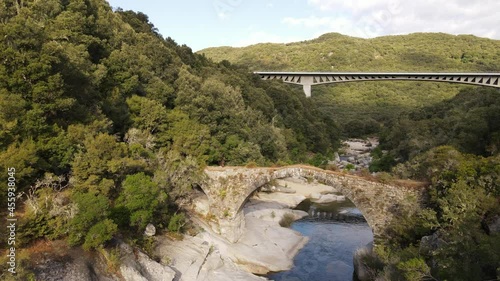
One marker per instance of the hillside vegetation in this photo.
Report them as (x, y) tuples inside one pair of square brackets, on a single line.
[(364, 107), (108, 124), (431, 52)]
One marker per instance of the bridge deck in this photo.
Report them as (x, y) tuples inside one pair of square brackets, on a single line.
[(376, 73), (308, 79)]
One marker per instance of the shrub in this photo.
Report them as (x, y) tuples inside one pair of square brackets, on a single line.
[(415, 269), (350, 167), (384, 177), (331, 167), (112, 258), (23, 267), (251, 164), (287, 220), (176, 222)]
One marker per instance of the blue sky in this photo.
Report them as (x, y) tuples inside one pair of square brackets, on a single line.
[(211, 23)]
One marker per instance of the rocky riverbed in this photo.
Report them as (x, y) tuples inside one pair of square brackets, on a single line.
[(355, 154), (265, 246)]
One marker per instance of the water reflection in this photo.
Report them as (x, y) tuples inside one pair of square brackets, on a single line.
[(328, 255)]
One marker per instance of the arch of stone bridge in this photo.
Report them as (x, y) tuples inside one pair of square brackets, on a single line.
[(229, 189)]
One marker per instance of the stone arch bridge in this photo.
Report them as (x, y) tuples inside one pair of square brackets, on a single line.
[(229, 188)]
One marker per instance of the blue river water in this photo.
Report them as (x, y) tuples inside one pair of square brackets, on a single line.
[(335, 231)]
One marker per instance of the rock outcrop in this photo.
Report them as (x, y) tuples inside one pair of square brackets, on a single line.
[(58, 262), (137, 266), (361, 270), (68, 269), (197, 259), (493, 226)]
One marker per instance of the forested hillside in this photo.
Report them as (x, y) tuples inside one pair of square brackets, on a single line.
[(445, 135), (107, 124), (364, 107), (470, 121)]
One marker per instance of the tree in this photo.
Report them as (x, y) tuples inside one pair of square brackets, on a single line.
[(188, 136), (23, 157), (13, 107), (148, 114), (102, 164), (92, 209), (99, 234), (142, 198), (177, 174), (138, 21)]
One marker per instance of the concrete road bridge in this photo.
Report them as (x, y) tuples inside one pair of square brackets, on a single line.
[(229, 188), (309, 79)]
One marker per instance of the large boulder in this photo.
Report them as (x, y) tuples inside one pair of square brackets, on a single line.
[(266, 247), (337, 157), (197, 259), (329, 198), (150, 230), (284, 189), (430, 243), (315, 196)]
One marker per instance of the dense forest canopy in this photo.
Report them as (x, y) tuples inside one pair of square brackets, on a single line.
[(75, 73), (95, 103)]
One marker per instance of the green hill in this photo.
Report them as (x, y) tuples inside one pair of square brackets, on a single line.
[(437, 52), (100, 113), (361, 107)]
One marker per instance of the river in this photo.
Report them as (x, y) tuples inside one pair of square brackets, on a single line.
[(335, 231)]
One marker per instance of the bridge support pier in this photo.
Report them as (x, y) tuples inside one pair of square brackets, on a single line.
[(307, 82), (231, 228)]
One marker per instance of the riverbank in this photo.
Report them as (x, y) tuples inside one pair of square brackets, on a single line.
[(265, 247)]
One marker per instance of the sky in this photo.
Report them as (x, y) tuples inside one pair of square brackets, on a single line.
[(212, 23)]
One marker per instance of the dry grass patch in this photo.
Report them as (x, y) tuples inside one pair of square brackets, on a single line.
[(287, 220)]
